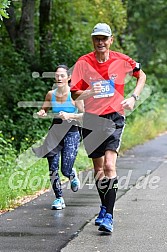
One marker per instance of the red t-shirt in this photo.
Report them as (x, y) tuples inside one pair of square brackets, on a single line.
[(111, 74)]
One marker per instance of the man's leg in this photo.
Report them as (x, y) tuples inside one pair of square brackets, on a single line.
[(100, 181), (99, 176), (111, 189), (106, 178), (111, 178)]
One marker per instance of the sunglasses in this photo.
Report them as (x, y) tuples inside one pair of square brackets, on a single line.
[(98, 39)]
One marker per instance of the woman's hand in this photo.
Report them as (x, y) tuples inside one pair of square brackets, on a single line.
[(42, 113), (64, 115)]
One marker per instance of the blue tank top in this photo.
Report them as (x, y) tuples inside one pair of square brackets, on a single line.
[(66, 106)]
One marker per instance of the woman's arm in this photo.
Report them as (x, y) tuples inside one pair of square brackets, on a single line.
[(46, 105)]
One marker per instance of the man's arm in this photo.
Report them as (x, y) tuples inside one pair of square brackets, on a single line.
[(140, 83), (130, 102), (84, 94)]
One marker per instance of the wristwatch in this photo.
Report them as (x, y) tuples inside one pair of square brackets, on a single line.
[(136, 97)]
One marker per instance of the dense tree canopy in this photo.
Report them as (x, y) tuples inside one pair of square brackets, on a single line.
[(147, 22)]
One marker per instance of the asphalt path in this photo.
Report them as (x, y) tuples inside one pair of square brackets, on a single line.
[(35, 227)]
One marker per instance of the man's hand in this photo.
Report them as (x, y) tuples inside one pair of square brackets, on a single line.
[(128, 103), (96, 89)]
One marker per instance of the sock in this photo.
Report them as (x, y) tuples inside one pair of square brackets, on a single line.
[(102, 187), (110, 195)]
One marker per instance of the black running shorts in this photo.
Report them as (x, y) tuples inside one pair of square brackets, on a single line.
[(102, 133)]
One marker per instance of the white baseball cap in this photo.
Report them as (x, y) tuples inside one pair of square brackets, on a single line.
[(101, 29)]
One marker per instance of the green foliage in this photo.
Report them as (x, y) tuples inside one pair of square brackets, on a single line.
[(72, 24), (149, 35), (7, 164), (17, 85), (7, 153), (4, 4), (152, 90)]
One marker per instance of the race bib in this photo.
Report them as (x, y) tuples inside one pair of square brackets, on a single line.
[(107, 88)]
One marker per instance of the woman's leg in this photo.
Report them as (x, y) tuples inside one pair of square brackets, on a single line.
[(69, 153), (54, 175)]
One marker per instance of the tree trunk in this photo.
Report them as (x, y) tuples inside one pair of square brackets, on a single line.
[(22, 34), (10, 24), (26, 27), (44, 21)]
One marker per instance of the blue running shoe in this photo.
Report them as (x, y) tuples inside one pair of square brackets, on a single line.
[(58, 204), (75, 183), (100, 216), (107, 224)]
